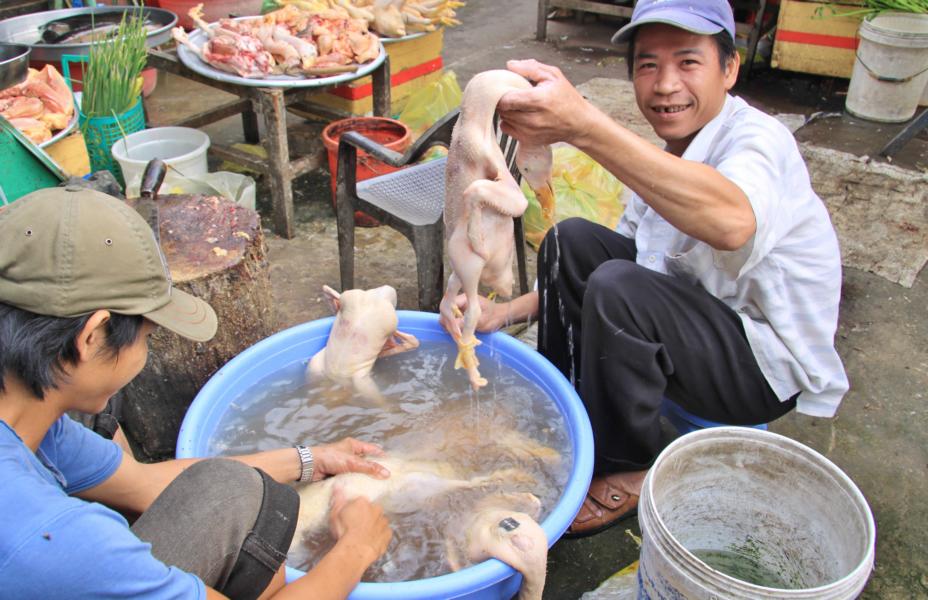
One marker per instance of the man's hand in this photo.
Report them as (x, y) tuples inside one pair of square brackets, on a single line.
[(552, 111), (360, 524), (492, 315), (347, 456)]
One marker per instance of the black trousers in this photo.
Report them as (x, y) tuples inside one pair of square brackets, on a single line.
[(627, 336)]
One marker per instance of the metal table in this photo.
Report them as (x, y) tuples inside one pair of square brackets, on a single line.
[(273, 103)]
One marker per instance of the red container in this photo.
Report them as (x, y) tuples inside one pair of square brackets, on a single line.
[(391, 133), (213, 10)]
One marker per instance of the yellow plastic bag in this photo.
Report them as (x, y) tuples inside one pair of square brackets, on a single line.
[(582, 188), (431, 103)]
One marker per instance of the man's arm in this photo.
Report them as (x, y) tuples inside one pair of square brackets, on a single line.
[(134, 485), (693, 197)]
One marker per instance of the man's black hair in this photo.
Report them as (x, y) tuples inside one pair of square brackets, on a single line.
[(35, 348), (723, 43)]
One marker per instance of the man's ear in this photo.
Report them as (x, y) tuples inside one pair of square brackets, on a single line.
[(733, 65), (92, 337)]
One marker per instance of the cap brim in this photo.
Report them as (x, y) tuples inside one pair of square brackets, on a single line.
[(186, 315), (691, 23)]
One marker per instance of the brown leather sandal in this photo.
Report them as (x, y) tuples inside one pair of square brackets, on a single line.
[(604, 506)]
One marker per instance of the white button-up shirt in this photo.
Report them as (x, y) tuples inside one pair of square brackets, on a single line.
[(785, 282)]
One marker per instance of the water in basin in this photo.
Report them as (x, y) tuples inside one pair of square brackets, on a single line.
[(433, 415)]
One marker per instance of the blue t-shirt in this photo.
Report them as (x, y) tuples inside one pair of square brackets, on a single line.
[(53, 545)]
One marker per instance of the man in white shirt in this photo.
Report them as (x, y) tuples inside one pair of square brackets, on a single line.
[(719, 290)]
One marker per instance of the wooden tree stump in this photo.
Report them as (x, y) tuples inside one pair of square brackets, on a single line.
[(215, 250)]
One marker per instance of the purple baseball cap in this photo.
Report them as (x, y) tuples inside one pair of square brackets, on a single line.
[(705, 17)]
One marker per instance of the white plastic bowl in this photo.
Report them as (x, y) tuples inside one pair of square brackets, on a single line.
[(182, 148)]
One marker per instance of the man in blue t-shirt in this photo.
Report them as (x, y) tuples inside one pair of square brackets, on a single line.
[(83, 284)]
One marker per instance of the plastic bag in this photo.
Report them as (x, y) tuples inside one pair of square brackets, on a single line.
[(233, 186), (582, 188), (431, 103)]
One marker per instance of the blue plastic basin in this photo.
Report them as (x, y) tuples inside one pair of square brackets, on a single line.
[(489, 579)]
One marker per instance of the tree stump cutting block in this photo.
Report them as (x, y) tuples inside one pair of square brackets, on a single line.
[(215, 250)]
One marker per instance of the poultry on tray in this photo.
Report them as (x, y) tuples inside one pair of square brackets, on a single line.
[(40, 105), (481, 199), (285, 42)]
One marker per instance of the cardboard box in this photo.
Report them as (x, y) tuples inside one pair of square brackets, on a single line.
[(413, 65), (820, 45)]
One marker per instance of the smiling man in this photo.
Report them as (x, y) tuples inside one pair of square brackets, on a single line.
[(719, 290)]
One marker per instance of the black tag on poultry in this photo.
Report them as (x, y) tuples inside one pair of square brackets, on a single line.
[(509, 524)]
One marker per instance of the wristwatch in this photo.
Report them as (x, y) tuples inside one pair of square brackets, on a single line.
[(306, 463)]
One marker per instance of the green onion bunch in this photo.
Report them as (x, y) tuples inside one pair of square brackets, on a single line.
[(112, 76), (872, 8)]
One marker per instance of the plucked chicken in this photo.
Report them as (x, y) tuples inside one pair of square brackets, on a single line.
[(481, 200)]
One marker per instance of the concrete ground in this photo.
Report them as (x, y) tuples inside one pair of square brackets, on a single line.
[(879, 437)]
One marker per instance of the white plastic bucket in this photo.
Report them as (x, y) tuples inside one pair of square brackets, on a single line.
[(891, 68), (182, 148), (779, 512)]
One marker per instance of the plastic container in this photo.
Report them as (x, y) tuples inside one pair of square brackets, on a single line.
[(391, 133), (685, 421), (891, 69), (489, 579), (182, 148), (100, 133), (778, 507)]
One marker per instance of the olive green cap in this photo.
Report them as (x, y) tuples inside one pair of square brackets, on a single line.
[(67, 252)]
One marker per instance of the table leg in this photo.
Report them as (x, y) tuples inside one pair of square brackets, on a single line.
[(278, 154), (381, 84), (541, 24), (903, 137), (250, 126)]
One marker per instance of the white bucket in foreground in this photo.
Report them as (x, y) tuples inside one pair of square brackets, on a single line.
[(891, 68), (772, 508), (182, 148)]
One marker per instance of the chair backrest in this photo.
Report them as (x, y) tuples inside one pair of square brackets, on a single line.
[(509, 146)]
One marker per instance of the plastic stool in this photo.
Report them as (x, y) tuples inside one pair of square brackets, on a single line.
[(686, 422)]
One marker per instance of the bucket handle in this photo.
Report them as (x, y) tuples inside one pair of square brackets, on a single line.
[(886, 78)]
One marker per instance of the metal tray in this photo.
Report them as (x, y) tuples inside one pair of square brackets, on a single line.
[(405, 38), (25, 30), (66, 131), (193, 62), (14, 64)]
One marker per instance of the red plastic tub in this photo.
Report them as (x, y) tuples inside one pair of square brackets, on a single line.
[(213, 10), (388, 132)]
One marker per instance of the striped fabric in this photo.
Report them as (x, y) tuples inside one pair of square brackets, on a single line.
[(785, 283)]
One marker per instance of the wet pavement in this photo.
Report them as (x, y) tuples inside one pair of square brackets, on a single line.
[(879, 436)]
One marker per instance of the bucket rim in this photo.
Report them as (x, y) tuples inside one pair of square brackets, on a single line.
[(873, 30), (122, 152), (850, 579), (332, 127)]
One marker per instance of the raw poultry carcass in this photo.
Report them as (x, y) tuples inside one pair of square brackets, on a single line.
[(40, 105), (498, 529), (412, 484), (390, 18), (396, 18), (227, 49), (34, 129), (365, 330), (481, 199)]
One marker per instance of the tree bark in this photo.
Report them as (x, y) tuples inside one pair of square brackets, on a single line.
[(215, 250)]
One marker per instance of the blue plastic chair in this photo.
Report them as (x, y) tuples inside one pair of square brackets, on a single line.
[(685, 422)]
